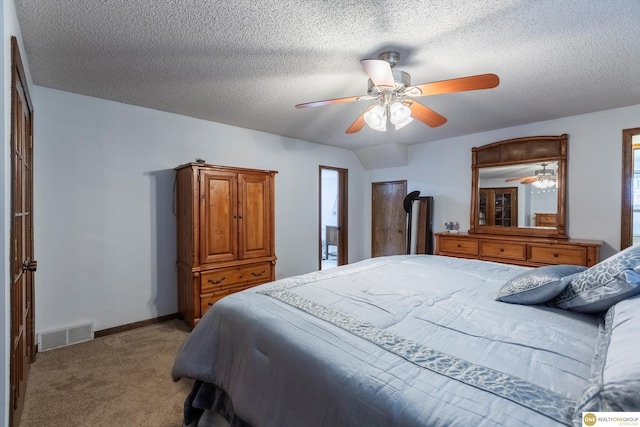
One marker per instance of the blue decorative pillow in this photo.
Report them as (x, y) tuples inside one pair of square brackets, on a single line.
[(604, 284), (538, 285), (615, 384)]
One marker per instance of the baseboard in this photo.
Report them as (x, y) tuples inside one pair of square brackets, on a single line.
[(134, 325)]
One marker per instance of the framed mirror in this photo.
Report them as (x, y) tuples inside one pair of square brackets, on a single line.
[(519, 187)]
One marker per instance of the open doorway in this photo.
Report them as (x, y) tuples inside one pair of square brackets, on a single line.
[(630, 234), (333, 247)]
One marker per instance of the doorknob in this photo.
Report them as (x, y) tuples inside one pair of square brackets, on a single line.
[(30, 266)]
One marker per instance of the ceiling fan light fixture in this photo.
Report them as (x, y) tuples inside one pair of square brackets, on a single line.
[(544, 182), (545, 178), (376, 118)]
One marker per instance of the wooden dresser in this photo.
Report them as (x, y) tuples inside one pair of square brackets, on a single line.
[(225, 222), (527, 251)]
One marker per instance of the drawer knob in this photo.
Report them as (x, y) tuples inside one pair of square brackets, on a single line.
[(555, 254), (217, 282), (210, 303), (459, 245), (501, 249), (254, 274)]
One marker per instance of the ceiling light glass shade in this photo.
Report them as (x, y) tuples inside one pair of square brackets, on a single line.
[(376, 118), (544, 181), (403, 124), (399, 113)]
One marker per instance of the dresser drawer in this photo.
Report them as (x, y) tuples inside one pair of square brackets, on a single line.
[(513, 251), (545, 220), (230, 277), (459, 245), (558, 255)]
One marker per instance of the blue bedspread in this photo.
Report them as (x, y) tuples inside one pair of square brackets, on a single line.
[(394, 341)]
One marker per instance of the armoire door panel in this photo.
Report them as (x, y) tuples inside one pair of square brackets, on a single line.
[(255, 216), (219, 227)]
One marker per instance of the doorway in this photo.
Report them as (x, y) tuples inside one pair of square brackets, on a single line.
[(333, 232), (21, 247), (630, 221)]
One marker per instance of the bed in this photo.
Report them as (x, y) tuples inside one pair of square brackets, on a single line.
[(420, 340)]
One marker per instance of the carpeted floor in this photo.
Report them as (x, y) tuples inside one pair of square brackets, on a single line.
[(122, 379)]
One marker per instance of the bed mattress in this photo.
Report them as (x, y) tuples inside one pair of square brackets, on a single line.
[(413, 340)]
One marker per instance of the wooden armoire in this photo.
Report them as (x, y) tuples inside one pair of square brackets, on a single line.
[(225, 219)]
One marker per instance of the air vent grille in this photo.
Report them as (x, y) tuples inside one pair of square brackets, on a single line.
[(62, 337)]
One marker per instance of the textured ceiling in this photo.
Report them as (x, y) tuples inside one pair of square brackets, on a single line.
[(247, 63)]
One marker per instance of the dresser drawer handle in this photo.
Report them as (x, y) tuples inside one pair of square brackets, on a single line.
[(254, 274), (501, 249), (459, 245), (210, 303), (555, 254), (217, 282)]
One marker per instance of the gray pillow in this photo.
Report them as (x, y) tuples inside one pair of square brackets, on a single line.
[(604, 284), (538, 285), (616, 366)]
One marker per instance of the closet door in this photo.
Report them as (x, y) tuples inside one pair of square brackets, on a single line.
[(255, 213), (388, 218), (218, 216)]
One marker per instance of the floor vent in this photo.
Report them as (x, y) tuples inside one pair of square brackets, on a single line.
[(63, 337)]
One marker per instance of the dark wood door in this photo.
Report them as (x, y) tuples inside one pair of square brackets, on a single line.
[(22, 263), (388, 218), (254, 215), (219, 216)]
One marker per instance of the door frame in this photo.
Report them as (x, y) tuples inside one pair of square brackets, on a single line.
[(626, 232), (342, 214)]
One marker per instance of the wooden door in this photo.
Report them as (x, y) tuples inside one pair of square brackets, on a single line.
[(23, 265), (218, 216), (254, 215), (388, 218)]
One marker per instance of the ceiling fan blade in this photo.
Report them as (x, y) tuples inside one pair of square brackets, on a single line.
[(424, 114), (518, 178), (333, 101), (359, 123), (379, 71), (529, 180), (461, 84)]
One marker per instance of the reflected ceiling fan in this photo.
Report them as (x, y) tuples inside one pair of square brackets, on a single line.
[(542, 178), (394, 93)]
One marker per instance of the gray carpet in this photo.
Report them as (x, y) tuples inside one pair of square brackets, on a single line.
[(119, 380)]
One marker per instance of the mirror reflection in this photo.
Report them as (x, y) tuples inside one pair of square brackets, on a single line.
[(523, 195)]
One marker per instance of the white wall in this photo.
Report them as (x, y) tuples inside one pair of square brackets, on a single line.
[(443, 169), (105, 237)]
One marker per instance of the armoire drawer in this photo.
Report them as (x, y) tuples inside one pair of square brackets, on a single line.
[(230, 277), (513, 251), (207, 300), (558, 255)]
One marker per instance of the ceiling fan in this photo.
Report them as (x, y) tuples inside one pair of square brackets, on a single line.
[(542, 178), (394, 93)]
